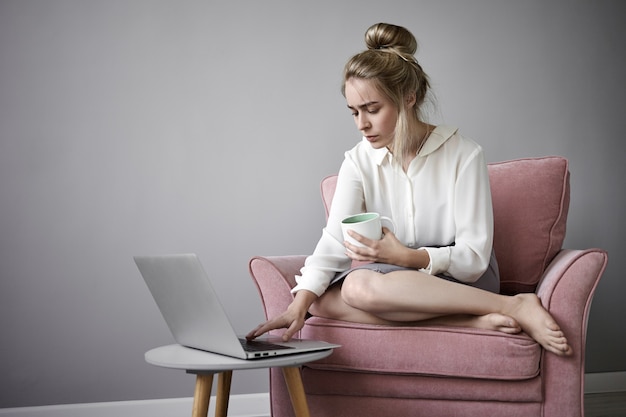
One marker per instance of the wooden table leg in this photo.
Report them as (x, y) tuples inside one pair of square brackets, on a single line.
[(223, 393), (296, 391), (202, 395)]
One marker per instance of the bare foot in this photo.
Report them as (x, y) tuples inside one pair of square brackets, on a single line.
[(497, 322), (539, 324)]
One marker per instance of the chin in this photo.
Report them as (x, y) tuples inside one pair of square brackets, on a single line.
[(377, 145)]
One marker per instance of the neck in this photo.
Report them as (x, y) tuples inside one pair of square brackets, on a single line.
[(409, 146), (422, 131)]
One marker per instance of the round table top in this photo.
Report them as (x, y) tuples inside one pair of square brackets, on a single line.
[(180, 357)]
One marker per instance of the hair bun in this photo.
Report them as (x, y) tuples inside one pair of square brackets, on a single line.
[(385, 35)]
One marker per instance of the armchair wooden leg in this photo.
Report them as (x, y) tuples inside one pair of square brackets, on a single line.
[(223, 393), (293, 378), (202, 395)]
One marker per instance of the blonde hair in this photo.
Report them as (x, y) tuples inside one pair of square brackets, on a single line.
[(389, 62)]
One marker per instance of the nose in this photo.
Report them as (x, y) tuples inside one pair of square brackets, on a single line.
[(362, 122)]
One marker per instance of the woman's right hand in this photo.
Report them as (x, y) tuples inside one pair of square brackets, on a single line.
[(292, 319)]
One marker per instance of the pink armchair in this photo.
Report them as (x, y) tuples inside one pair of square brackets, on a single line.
[(449, 371)]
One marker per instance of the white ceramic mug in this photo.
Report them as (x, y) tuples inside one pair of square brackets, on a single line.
[(368, 225)]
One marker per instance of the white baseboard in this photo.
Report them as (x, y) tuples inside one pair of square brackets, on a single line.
[(247, 405), (605, 382)]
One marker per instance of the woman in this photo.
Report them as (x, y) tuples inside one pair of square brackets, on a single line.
[(438, 266)]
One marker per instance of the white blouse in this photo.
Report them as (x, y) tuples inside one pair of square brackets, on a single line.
[(441, 204)]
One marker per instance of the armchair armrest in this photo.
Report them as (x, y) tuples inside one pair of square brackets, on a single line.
[(274, 277), (568, 284), (566, 290)]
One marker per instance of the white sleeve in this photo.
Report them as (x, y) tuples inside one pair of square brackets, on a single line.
[(329, 256), (468, 258)]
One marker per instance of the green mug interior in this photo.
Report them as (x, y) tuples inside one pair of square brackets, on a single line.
[(359, 218)]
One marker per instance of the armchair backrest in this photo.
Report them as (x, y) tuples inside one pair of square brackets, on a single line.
[(530, 205)]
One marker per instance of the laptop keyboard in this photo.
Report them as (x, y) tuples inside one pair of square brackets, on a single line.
[(260, 345)]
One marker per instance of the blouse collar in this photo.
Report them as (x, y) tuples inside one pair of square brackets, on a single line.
[(437, 137)]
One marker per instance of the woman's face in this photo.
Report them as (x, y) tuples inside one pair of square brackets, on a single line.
[(374, 114)]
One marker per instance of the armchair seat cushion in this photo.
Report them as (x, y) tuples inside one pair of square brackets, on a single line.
[(333, 384), (426, 350)]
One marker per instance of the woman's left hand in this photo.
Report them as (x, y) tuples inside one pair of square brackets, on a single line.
[(387, 250)]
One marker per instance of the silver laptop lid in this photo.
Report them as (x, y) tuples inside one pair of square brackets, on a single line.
[(188, 303)]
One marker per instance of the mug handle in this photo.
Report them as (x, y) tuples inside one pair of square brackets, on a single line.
[(390, 223)]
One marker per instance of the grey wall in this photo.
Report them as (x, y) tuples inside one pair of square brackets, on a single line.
[(141, 127)]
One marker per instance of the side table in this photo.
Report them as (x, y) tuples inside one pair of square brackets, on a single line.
[(205, 364)]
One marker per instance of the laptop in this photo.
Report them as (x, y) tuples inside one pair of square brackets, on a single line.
[(190, 306)]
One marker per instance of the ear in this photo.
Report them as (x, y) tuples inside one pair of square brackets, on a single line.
[(410, 99)]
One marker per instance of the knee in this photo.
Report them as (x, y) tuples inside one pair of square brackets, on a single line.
[(359, 289)]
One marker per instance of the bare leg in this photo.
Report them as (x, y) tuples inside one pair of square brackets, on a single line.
[(491, 321), (409, 296), (332, 305)]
